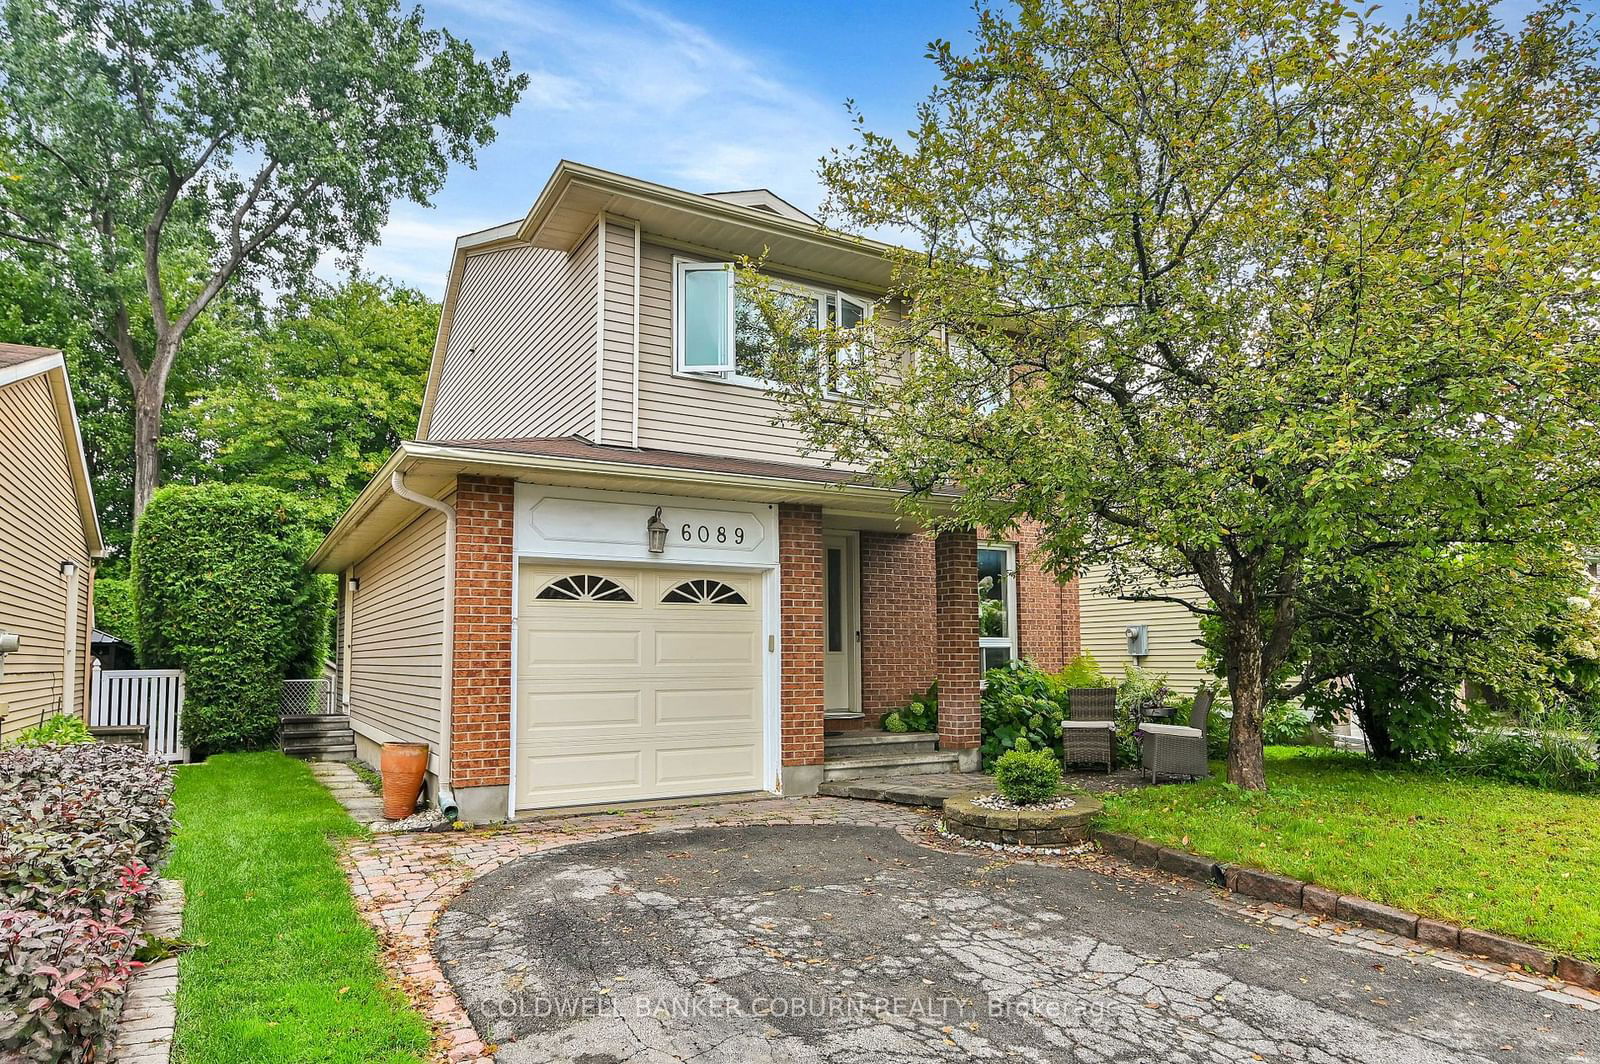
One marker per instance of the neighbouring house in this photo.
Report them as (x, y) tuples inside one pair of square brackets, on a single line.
[(1158, 636), (606, 571), (49, 541)]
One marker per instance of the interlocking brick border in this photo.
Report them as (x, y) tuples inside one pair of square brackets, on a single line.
[(1290, 894)]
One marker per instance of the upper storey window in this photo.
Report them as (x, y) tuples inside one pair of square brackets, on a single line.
[(720, 332)]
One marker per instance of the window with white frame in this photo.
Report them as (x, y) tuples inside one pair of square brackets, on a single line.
[(997, 604), (721, 332)]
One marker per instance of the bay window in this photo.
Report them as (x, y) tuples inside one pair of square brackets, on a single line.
[(997, 604)]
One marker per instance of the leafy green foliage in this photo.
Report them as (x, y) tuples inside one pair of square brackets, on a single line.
[(160, 157), (1550, 757), (63, 729), (339, 385), (83, 825), (1027, 777), (222, 593), (1023, 702), (1285, 290), (921, 714), (113, 607)]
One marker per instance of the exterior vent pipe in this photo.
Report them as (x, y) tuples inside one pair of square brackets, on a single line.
[(447, 794)]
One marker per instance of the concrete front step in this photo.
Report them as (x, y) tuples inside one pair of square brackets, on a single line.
[(928, 790), (898, 764), (314, 725), (866, 743)]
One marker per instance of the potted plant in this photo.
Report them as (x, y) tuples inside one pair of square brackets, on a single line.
[(404, 766)]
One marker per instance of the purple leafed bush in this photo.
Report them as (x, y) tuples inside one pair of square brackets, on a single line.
[(80, 828)]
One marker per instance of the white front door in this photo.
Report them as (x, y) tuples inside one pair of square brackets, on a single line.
[(637, 683), (841, 622)]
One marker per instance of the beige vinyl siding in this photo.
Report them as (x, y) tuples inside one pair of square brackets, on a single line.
[(397, 636), (681, 413), (521, 355), (1173, 632), (40, 527), (616, 404)]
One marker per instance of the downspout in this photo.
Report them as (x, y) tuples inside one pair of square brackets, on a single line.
[(447, 795), (69, 648)]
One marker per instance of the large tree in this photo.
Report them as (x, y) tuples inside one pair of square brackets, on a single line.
[(165, 151), (1278, 294)]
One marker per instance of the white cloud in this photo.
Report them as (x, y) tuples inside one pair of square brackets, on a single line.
[(622, 85)]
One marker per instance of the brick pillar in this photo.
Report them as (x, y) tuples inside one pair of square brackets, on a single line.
[(800, 562), (481, 691), (955, 560), (897, 620)]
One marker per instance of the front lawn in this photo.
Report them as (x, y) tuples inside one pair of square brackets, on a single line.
[(287, 970), (1494, 856)]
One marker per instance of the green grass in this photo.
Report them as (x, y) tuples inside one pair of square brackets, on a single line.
[(1499, 857), (286, 969)]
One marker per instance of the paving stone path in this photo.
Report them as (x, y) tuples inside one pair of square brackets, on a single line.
[(690, 914)]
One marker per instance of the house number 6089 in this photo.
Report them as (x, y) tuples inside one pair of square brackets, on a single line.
[(708, 534)]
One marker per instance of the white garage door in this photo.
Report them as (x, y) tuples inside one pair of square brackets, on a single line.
[(636, 683)]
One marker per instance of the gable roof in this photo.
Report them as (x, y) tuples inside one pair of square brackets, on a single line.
[(19, 362)]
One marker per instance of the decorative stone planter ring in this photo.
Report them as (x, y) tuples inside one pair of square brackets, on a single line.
[(963, 816)]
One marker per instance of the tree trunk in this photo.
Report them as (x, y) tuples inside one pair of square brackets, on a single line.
[(149, 396), (1246, 754)]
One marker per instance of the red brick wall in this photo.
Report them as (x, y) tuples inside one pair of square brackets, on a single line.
[(1047, 612), (800, 558), (956, 659), (897, 620), (480, 754)]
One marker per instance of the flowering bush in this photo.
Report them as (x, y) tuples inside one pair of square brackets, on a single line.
[(80, 828)]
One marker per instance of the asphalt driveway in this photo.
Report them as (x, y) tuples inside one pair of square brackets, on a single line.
[(743, 945)]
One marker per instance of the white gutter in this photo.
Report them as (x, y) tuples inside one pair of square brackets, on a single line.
[(447, 795)]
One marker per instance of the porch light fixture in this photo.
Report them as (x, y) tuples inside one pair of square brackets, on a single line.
[(656, 529)]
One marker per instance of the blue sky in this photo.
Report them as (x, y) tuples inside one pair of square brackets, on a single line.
[(702, 96)]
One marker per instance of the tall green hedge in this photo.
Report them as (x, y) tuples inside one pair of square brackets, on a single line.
[(113, 607), (221, 591)]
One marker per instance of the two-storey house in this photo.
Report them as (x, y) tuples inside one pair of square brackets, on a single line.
[(606, 570)]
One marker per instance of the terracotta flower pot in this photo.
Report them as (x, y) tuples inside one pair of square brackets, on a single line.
[(403, 766)]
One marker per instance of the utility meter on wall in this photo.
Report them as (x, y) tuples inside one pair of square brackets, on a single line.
[(10, 643), (1138, 640)]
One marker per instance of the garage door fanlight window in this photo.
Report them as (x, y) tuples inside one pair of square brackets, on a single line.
[(584, 587), (704, 593)]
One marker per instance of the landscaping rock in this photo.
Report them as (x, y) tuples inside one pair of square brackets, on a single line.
[(1146, 853), (1438, 932), (1507, 950), (1188, 865), (1265, 885), (1320, 900), (1581, 972), (1030, 826), (1382, 917)]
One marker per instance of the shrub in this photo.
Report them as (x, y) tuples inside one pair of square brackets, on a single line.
[(63, 729), (80, 827), (1547, 758), (1027, 777), (1022, 701), (76, 821), (221, 591), (921, 714), (60, 979)]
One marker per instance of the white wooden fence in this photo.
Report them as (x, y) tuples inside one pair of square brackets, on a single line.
[(152, 698)]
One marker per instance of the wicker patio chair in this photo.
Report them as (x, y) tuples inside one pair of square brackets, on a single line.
[(1175, 750), (1090, 735)]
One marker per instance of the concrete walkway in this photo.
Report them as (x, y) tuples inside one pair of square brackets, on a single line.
[(351, 792)]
